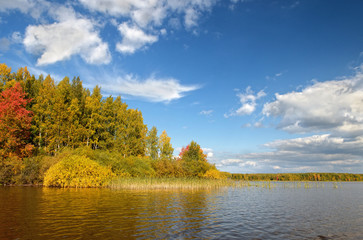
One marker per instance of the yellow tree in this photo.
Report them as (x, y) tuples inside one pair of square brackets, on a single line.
[(60, 128), (93, 118), (166, 149), (43, 109), (5, 75)]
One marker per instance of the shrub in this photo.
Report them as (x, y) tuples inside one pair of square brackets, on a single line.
[(166, 167), (10, 170), (77, 171), (136, 166), (213, 173), (35, 168)]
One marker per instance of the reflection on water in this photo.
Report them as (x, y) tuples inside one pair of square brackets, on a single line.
[(249, 213)]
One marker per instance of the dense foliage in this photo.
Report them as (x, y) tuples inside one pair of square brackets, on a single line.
[(43, 124)]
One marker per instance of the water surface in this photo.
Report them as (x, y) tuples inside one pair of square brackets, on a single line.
[(282, 212)]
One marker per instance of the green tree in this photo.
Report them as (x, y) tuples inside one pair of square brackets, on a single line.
[(152, 143), (194, 161), (135, 138)]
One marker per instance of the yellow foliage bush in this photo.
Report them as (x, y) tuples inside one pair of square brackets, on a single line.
[(77, 171), (213, 173)]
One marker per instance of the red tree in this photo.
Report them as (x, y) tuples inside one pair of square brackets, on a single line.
[(15, 122)]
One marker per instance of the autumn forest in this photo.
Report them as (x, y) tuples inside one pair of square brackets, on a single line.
[(43, 124)]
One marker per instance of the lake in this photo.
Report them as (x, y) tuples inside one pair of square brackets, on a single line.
[(284, 211)]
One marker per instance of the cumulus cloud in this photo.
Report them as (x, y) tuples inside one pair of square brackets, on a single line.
[(151, 89), (70, 36), (333, 106), (248, 102), (142, 21), (146, 12), (314, 153), (133, 38)]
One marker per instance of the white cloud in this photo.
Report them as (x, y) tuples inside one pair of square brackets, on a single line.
[(146, 12), (32, 7), (61, 40), (206, 112), (133, 38), (248, 102), (22, 5), (151, 89), (333, 106), (191, 17), (237, 162)]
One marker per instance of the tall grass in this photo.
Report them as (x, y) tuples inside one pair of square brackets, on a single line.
[(200, 183), (174, 183)]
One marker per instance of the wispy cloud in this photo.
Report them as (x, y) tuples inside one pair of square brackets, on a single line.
[(151, 89), (275, 76), (206, 112)]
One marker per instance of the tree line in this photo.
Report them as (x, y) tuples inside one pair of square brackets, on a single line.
[(298, 177)]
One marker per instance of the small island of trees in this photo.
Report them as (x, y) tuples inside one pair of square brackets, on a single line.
[(62, 134)]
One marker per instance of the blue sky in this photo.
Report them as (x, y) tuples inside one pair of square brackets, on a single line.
[(262, 86)]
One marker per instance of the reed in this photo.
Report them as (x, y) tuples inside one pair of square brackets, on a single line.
[(202, 183), (174, 183)]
